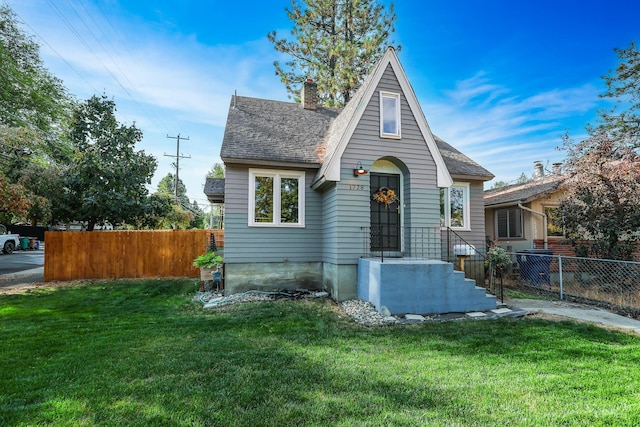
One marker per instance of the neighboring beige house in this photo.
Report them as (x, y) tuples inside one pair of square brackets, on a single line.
[(522, 216)]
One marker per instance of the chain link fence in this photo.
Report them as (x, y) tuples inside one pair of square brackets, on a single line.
[(610, 284)]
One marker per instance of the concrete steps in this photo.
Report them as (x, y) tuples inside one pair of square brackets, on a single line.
[(420, 286)]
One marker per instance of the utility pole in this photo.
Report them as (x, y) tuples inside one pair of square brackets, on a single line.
[(178, 156)]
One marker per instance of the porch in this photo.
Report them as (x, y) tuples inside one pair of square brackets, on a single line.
[(422, 270)]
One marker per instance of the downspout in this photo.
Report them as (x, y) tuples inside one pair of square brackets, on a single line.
[(545, 241)]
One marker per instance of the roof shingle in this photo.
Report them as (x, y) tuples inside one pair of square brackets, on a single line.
[(523, 193), (265, 130)]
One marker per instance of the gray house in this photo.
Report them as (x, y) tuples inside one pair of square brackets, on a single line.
[(310, 191)]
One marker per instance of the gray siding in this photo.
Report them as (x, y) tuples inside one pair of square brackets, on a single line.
[(268, 244), (476, 236), (330, 225), (367, 146), (420, 197)]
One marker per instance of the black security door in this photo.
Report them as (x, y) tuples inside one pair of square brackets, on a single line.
[(385, 212)]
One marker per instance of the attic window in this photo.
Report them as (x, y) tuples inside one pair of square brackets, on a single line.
[(389, 115), (276, 198)]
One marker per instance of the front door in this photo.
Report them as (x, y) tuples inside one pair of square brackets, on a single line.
[(385, 212)]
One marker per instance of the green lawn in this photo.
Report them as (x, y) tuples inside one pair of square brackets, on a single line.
[(142, 353)]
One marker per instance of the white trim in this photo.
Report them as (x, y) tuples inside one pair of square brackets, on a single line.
[(466, 214), (332, 171), (398, 119), (277, 175)]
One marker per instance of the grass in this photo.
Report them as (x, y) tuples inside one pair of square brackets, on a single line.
[(142, 353)]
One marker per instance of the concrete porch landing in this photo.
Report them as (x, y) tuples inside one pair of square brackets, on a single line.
[(419, 286)]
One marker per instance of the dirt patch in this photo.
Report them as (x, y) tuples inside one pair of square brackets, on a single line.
[(22, 288)]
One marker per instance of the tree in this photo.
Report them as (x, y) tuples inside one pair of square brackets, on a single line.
[(34, 112), (106, 180), (623, 85), (14, 200), (156, 208), (39, 209), (198, 216), (335, 43), (600, 205), (217, 171), (167, 186), (176, 218), (30, 97)]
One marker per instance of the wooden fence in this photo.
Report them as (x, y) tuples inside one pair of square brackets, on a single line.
[(72, 255)]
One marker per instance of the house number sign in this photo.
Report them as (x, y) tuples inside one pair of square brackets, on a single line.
[(357, 187)]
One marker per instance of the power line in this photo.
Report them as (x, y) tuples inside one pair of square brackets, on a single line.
[(56, 52), (178, 156)]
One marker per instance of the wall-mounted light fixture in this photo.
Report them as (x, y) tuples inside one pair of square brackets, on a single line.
[(360, 170)]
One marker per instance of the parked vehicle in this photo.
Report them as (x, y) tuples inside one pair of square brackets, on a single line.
[(9, 242)]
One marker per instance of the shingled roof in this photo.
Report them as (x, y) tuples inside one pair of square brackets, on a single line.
[(214, 190), (460, 165), (265, 131), (523, 193), (261, 130)]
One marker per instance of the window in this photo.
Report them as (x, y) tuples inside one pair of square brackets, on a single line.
[(554, 227), (276, 198), (509, 223), (389, 115), (454, 206)]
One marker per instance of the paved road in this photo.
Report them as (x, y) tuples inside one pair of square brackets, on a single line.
[(21, 267)]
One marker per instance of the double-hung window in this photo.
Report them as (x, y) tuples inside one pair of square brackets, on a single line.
[(389, 115), (509, 223), (276, 198), (454, 206)]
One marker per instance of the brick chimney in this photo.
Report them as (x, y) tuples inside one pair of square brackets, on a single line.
[(309, 95), (557, 169)]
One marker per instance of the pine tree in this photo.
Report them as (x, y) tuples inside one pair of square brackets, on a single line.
[(623, 121), (335, 43)]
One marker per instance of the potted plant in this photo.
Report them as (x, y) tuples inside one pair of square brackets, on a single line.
[(207, 263)]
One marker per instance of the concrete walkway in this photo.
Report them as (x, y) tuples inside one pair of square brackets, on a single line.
[(578, 312)]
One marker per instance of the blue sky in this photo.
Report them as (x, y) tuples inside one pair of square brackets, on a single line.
[(501, 80)]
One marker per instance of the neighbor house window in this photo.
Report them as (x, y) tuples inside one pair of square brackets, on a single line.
[(554, 225), (509, 223), (389, 115), (454, 206), (276, 198)]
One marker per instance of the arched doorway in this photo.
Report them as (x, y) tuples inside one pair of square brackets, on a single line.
[(386, 181)]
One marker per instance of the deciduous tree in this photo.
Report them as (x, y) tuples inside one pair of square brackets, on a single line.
[(333, 42), (107, 177), (14, 200), (600, 205), (31, 96)]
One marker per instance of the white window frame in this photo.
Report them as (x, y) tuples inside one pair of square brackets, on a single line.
[(396, 96), (466, 215), (497, 226), (277, 175)]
